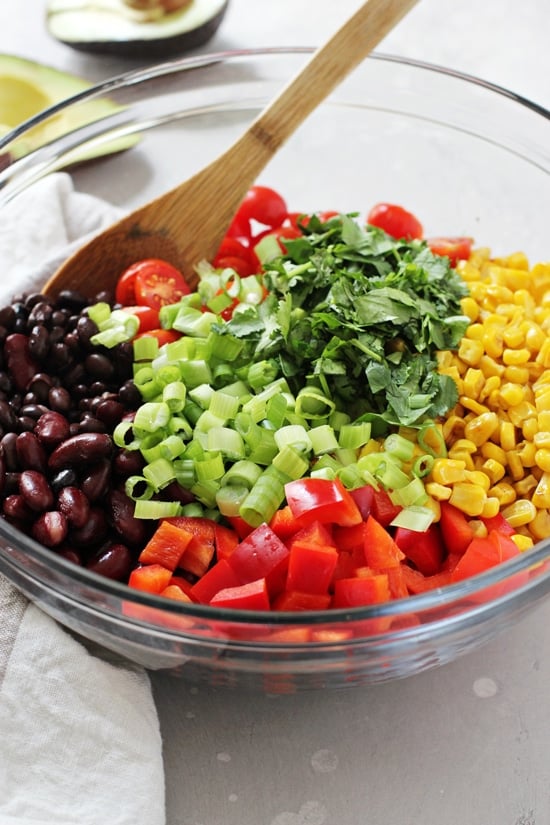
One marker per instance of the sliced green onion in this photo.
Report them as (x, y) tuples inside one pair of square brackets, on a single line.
[(194, 322), (210, 467), (399, 447), (423, 465), (414, 518), (290, 462), (151, 416), (153, 509), (226, 441), (123, 436), (430, 439), (354, 436), (145, 348), (262, 373), (411, 493), (159, 473), (323, 439), (311, 403), (293, 435), (138, 488), (146, 382), (230, 498), (243, 473), (99, 313), (265, 498), (195, 372), (223, 405), (174, 394)]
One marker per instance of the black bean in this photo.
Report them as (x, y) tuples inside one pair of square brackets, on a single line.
[(128, 463), (115, 562), (51, 428), (7, 317), (93, 532), (39, 342), (33, 410), (110, 412), (40, 385), (30, 452), (59, 399), (25, 423), (41, 313), (99, 366), (36, 491), (74, 505), (50, 528), (72, 299), (8, 418), (86, 328), (10, 451), (95, 482), (64, 478), (81, 449)]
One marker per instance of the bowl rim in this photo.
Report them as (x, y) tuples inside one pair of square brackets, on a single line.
[(154, 70), (437, 598)]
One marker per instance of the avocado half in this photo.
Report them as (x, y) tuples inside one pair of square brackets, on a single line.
[(28, 87), (120, 27)]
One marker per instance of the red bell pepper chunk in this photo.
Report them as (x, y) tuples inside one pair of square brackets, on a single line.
[(396, 582), (321, 499), (364, 498), (350, 538), (383, 509), (225, 540), (380, 550), (315, 533), (261, 554), (498, 523), (455, 528), (166, 546), (240, 526), (218, 577), (250, 596), (199, 552), (295, 600), (283, 523), (424, 549), (363, 590), (484, 553), (310, 567), (152, 578), (417, 582)]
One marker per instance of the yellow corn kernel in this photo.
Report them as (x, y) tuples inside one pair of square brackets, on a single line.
[(470, 308), (516, 260), (541, 440), (511, 395), (470, 351), (540, 526), (543, 420), (473, 383), (470, 498), (504, 492), (515, 465), (464, 445), (475, 332), (541, 494), (439, 492), (491, 508), (493, 343), (434, 505), (478, 528), (473, 405), (373, 445), (530, 428), (542, 460), (481, 428), (452, 424), (463, 456), (543, 355), (507, 435), (480, 478), (491, 385), (493, 451), (515, 357), (523, 543), (517, 375), (512, 278), (514, 337), (448, 471), (519, 413), (522, 511), (525, 486), (494, 470), (542, 400), (490, 366), (527, 454)]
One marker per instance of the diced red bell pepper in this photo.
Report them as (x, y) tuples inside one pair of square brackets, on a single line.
[(321, 499), (396, 582), (283, 523), (498, 523), (250, 596), (364, 498), (152, 578), (295, 600), (261, 554), (310, 567), (314, 533), (424, 548), (166, 546), (455, 528), (484, 553), (199, 552), (240, 526), (350, 538), (383, 509), (220, 576), (182, 583), (379, 548), (363, 590), (417, 582), (225, 540)]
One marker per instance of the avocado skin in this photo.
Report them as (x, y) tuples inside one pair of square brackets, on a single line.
[(153, 48)]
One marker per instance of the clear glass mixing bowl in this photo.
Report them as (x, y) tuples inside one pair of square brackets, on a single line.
[(468, 158)]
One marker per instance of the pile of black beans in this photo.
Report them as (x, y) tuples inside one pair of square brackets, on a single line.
[(61, 476)]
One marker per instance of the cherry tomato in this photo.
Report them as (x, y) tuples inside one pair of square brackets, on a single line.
[(148, 317), (455, 249), (125, 291), (280, 233), (155, 283), (264, 205), (163, 336), (297, 219), (396, 221), (241, 266)]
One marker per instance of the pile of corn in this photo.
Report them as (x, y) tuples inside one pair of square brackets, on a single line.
[(498, 435)]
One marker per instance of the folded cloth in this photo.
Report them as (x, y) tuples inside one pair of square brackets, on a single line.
[(79, 733)]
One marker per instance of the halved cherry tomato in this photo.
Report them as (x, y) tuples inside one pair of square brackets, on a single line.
[(455, 249), (262, 204), (148, 317), (155, 283), (396, 221)]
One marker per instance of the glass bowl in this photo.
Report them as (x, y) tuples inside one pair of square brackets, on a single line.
[(467, 157)]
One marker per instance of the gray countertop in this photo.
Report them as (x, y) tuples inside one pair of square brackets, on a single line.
[(466, 743)]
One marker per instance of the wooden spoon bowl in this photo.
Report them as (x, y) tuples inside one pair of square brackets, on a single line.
[(187, 223)]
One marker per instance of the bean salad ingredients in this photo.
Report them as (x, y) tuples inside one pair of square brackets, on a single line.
[(340, 415)]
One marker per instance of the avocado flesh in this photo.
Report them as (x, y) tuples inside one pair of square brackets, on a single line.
[(27, 88), (111, 27)]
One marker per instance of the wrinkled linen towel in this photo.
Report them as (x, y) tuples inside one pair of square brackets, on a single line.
[(79, 733)]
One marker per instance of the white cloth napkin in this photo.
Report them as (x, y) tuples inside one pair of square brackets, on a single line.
[(79, 733)]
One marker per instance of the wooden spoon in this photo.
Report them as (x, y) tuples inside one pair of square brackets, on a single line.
[(187, 223)]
